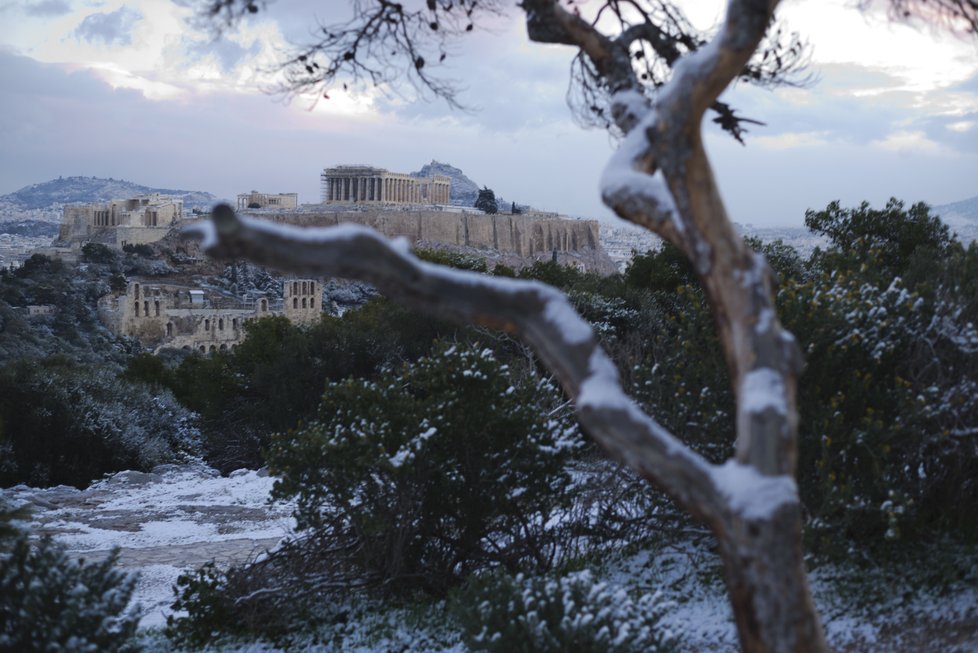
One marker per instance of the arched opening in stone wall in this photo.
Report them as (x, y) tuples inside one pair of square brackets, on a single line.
[(303, 302), (295, 302), (169, 329), (207, 325), (136, 307)]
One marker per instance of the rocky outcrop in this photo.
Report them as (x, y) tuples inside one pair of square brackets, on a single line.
[(530, 236), (463, 191)]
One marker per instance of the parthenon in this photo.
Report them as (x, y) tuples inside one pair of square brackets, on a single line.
[(361, 183)]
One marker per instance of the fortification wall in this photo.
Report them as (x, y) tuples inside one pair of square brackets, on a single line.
[(126, 235), (523, 235)]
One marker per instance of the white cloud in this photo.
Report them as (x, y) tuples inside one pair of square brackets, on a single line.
[(791, 140), (906, 142), (961, 126)]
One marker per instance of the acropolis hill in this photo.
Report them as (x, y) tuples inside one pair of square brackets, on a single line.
[(529, 236), (417, 208), (432, 208)]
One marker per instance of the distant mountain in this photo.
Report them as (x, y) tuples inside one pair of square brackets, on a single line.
[(463, 191), (961, 217), (963, 212), (72, 190)]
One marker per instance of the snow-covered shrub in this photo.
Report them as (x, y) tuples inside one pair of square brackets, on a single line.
[(70, 424), (887, 399), (52, 603), (554, 614), (431, 471), (203, 609)]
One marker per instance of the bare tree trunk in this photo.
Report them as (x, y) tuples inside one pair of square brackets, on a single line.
[(765, 577)]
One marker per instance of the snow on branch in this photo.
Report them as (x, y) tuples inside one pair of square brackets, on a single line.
[(538, 314)]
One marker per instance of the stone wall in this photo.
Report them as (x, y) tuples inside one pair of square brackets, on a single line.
[(523, 235), (181, 317)]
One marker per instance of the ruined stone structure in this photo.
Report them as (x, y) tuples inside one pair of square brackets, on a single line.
[(137, 220), (162, 315), (527, 235), (361, 183), (301, 300), (254, 199)]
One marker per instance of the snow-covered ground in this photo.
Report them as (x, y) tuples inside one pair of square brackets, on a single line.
[(178, 517), (165, 522)]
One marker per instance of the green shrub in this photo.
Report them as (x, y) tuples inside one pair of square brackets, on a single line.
[(52, 603), (878, 450), (663, 269), (891, 235), (452, 259), (139, 249), (203, 609), (442, 467), (98, 253), (506, 614)]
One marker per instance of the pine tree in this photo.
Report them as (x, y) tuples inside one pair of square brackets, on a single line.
[(487, 201)]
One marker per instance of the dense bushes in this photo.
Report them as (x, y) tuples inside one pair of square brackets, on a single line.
[(407, 482), (890, 393), (554, 614), (63, 423), (72, 327), (442, 467), (52, 603), (275, 378)]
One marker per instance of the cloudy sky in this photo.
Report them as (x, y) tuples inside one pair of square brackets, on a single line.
[(129, 89)]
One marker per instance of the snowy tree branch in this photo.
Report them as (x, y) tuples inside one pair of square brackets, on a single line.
[(536, 313)]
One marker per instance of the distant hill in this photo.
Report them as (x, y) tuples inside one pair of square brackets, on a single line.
[(463, 191), (71, 190), (961, 217)]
